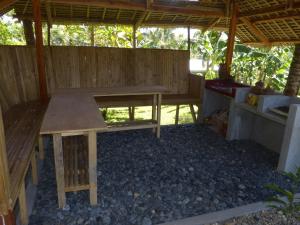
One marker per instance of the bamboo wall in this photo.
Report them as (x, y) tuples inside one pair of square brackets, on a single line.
[(89, 67)]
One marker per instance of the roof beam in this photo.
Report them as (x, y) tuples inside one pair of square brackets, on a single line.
[(255, 31), (6, 3), (205, 12), (272, 9), (211, 25)]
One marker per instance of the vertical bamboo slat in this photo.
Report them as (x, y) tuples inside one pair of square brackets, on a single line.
[(71, 67)]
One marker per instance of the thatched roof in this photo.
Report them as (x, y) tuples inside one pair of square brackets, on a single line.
[(260, 21)]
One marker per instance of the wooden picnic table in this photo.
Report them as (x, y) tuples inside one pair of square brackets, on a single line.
[(74, 112)]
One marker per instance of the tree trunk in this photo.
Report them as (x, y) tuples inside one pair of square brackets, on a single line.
[(28, 32), (293, 81)]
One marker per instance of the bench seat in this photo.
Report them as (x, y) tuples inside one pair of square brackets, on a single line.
[(125, 101), (21, 125)]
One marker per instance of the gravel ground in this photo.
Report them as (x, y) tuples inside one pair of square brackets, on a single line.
[(143, 180), (271, 217)]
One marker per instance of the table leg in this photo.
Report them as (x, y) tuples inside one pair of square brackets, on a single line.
[(158, 115), (59, 169), (93, 166), (41, 148), (154, 109)]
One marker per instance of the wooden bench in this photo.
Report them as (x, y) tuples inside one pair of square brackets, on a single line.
[(193, 97), (21, 125)]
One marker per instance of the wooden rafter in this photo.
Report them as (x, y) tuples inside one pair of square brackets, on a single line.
[(133, 15), (6, 3), (255, 31), (88, 12), (187, 19), (26, 6), (147, 16), (291, 15), (268, 10), (211, 25), (205, 12), (141, 19), (118, 14), (174, 18), (104, 12)]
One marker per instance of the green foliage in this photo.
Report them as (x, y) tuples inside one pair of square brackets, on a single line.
[(211, 47), (69, 35), (270, 65), (288, 204), (161, 38), (113, 36), (11, 32)]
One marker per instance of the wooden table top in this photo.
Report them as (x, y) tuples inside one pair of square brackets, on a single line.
[(72, 113), (75, 109)]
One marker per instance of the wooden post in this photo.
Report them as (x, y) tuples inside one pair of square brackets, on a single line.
[(231, 37), (49, 34), (28, 32), (4, 174), (36, 4), (134, 36), (189, 38), (92, 30)]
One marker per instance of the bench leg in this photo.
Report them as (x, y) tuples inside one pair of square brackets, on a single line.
[(199, 115), (193, 113), (41, 148), (158, 115), (34, 171), (154, 110), (23, 205), (177, 114)]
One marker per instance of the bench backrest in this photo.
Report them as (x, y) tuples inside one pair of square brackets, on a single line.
[(89, 67)]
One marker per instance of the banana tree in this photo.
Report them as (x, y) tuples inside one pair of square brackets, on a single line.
[(210, 47)]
